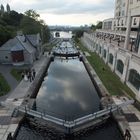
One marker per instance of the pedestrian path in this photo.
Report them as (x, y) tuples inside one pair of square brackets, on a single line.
[(132, 118), (5, 71), (10, 124)]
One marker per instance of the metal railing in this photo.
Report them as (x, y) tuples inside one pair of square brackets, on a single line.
[(76, 122)]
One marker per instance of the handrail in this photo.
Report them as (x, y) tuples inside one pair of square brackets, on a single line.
[(69, 124)]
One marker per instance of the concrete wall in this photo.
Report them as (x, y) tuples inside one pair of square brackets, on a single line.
[(28, 58), (5, 57), (130, 61)]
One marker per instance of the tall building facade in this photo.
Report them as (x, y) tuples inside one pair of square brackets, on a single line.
[(118, 43)]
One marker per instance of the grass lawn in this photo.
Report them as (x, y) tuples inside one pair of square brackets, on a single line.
[(109, 79), (17, 73), (4, 87)]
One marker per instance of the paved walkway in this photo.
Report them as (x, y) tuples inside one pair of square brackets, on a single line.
[(16, 98), (5, 71), (132, 118)]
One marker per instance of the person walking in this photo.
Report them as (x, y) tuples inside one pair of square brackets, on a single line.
[(22, 75), (33, 74), (30, 75)]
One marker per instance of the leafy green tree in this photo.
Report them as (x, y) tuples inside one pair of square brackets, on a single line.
[(92, 27), (32, 14), (4, 35), (29, 23), (30, 26), (99, 25), (45, 33)]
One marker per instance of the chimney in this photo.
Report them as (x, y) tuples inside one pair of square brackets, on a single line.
[(21, 36), (19, 33)]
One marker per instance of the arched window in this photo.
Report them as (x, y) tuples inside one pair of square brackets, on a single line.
[(96, 46), (100, 50), (120, 66), (110, 58), (104, 53), (135, 21), (134, 78)]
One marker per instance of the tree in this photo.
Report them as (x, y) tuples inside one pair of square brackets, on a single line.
[(45, 33), (92, 27), (4, 35), (29, 23), (32, 14), (42, 22), (99, 25), (30, 26)]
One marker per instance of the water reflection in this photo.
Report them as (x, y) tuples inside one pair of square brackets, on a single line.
[(67, 91), (107, 131), (63, 34)]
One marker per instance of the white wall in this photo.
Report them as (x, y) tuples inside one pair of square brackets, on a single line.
[(5, 57), (129, 60)]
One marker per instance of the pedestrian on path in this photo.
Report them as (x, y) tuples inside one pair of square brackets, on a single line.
[(22, 75), (9, 137), (30, 75), (127, 135), (33, 74), (25, 77)]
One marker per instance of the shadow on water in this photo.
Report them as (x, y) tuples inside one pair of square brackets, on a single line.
[(107, 131)]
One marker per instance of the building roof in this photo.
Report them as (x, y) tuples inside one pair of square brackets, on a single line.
[(10, 44), (17, 48), (18, 43), (26, 44), (33, 39)]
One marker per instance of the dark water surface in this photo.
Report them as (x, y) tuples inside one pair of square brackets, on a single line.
[(107, 131), (67, 91)]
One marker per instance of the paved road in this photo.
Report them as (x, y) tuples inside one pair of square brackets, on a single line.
[(5, 71)]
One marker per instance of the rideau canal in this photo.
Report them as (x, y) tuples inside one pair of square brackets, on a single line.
[(68, 93)]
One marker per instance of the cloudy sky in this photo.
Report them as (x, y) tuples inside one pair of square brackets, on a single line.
[(66, 12)]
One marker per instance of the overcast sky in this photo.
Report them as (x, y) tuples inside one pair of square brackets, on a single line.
[(66, 12)]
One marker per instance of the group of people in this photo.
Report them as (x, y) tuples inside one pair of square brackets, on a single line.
[(29, 75)]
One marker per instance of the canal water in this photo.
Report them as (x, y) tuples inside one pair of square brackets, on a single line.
[(68, 93), (63, 34)]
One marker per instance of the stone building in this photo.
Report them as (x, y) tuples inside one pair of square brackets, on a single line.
[(23, 49), (118, 43)]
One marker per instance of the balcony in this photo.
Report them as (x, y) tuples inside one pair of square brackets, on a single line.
[(133, 34), (113, 39)]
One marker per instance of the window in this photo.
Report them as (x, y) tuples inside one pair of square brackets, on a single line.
[(120, 66), (110, 58), (96, 46), (104, 53), (100, 50), (123, 13), (135, 21), (122, 23), (134, 78)]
